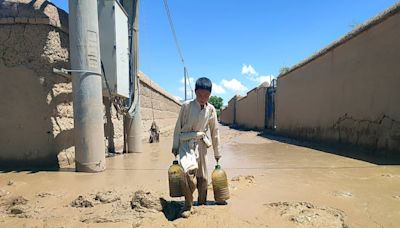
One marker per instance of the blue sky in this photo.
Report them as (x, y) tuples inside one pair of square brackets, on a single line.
[(238, 44)]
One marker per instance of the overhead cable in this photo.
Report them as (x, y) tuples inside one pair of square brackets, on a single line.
[(171, 24)]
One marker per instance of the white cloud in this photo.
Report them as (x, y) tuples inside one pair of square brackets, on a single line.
[(182, 88), (217, 89), (191, 80), (248, 70), (188, 93), (234, 85), (263, 78)]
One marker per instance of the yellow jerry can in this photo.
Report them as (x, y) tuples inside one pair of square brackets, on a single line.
[(176, 179), (220, 184)]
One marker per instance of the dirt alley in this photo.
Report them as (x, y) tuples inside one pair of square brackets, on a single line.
[(272, 184)]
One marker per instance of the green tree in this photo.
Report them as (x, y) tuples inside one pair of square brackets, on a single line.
[(284, 70), (217, 102)]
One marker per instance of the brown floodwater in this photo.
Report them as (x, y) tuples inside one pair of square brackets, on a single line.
[(274, 184)]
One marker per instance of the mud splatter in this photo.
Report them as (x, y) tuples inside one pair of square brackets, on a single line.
[(44, 194), (249, 179), (389, 175), (241, 181), (19, 200), (81, 202), (145, 200), (307, 214), (342, 194), (107, 197), (122, 208), (3, 193), (16, 206)]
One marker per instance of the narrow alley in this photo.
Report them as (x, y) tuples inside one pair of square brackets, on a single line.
[(272, 184)]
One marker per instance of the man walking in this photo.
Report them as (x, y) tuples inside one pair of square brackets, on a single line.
[(191, 142)]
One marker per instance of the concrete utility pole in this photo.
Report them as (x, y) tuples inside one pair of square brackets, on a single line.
[(86, 86), (133, 120)]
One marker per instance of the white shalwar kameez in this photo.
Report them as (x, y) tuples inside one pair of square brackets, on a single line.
[(191, 143)]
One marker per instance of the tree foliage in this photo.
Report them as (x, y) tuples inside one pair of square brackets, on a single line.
[(284, 70), (216, 101)]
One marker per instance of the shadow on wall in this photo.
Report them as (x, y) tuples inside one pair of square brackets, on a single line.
[(36, 113), (345, 150), (36, 118), (27, 137)]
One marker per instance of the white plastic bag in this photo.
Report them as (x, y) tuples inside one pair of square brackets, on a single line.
[(188, 154)]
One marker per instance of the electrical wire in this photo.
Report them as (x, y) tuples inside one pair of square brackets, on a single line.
[(133, 105), (173, 30), (111, 97), (171, 24)]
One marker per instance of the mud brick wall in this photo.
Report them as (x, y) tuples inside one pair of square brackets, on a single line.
[(246, 112), (36, 115), (36, 119), (156, 102), (349, 92), (228, 113), (250, 110)]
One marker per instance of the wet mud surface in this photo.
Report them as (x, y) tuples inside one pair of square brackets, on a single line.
[(307, 214), (272, 184)]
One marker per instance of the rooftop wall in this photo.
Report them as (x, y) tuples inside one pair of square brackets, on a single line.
[(250, 110), (246, 112), (348, 92)]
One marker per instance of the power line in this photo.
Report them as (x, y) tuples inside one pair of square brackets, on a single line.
[(171, 24)]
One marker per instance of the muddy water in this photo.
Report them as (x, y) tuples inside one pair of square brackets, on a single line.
[(279, 185), (365, 194)]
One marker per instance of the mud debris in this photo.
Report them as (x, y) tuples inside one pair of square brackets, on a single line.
[(342, 194), (389, 175), (18, 209), (307, 214), (81, 202), (98, 219), (44, 194), (3, 193), (14, 201), (10, 182), (145, 200), (249, 179), (107, 197), (19, 200), (16, 206), (123, 207)]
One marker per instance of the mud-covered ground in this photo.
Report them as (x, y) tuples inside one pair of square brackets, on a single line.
[(272, 184)]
